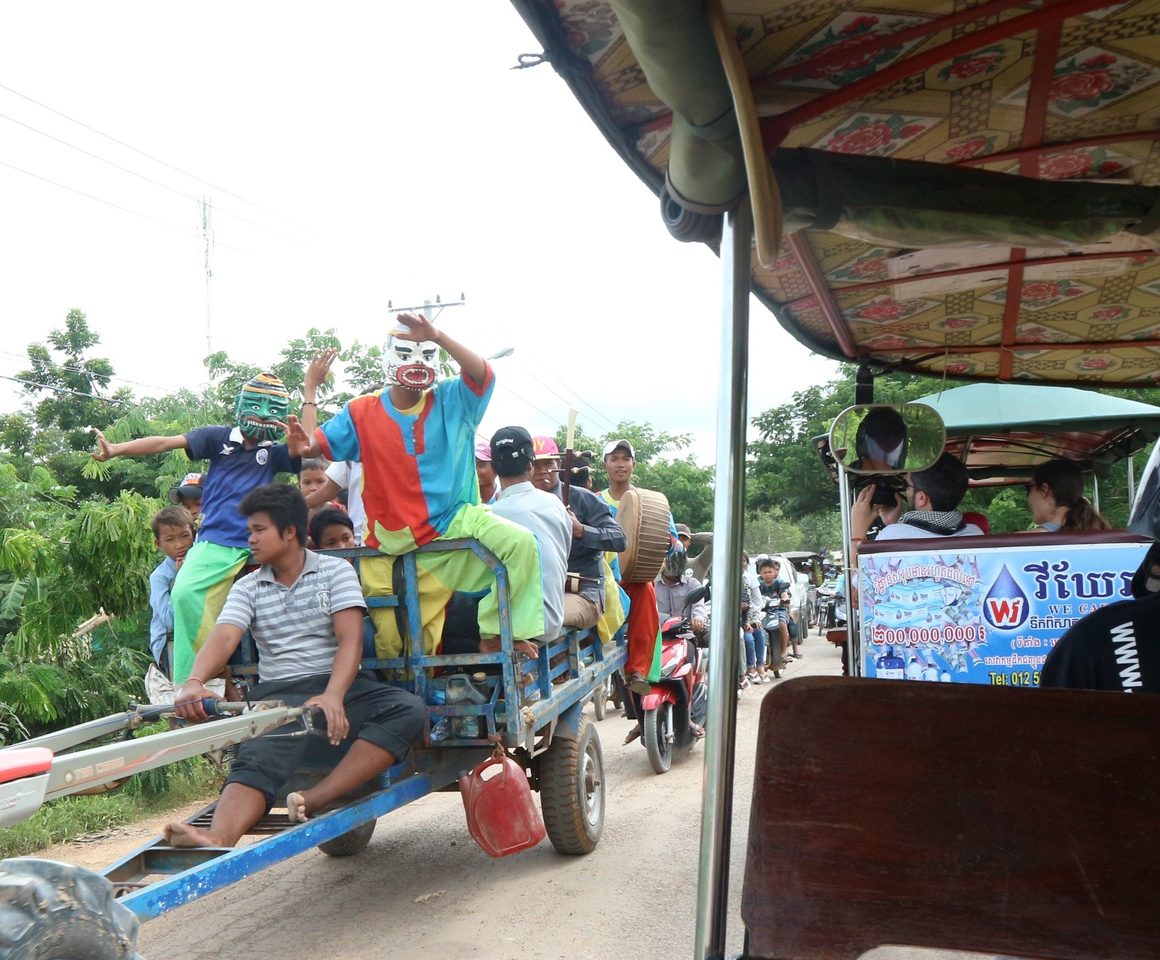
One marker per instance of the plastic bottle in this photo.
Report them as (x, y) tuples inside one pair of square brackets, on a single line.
[(437, 696), (461, 689)]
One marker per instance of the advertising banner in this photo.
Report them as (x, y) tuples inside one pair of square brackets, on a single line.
[(982, 615)]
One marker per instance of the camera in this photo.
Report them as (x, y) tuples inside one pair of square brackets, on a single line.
[(886, 488)]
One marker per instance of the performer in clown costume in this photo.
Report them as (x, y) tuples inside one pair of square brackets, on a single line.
[(241, 457), (416, 442)]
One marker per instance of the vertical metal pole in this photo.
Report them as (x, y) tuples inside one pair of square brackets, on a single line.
[(728, 516), (853, 644), (1131, 483), (1096, 492)]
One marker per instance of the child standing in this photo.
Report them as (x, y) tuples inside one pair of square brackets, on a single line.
[(173, 534)]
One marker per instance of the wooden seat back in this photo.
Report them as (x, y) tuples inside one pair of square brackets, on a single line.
[(956, 816)]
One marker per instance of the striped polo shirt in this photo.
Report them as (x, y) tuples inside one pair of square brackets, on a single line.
[(293, 626)]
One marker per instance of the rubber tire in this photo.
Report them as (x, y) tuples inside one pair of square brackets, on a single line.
[(600, 699), (659, 747), (54, 911), (572, 796), (349, 843)]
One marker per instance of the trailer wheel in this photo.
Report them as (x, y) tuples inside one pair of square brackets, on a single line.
[(349, 843), (53, 911), (657, 726), (600, 698), (572, 791)]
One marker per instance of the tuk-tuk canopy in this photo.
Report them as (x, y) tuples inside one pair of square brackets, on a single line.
[(1002, 431), (940, 187)]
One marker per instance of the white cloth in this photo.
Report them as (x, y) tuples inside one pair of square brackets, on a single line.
[(904, 531), (547, 518), (348, 475)]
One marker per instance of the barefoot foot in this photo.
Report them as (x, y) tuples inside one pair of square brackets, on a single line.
[(633, 734), (296, 808), (187, 835)]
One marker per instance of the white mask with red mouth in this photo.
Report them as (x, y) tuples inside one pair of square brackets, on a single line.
[(412, 364)]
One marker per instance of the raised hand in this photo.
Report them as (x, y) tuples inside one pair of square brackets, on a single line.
[(298, 440), (319, 369), (414, 327), (104, 449)]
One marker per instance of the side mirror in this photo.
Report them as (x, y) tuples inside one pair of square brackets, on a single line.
[(697, 595), (882, 438)]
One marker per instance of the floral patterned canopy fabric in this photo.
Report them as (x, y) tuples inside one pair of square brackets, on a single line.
[(1059, 90)]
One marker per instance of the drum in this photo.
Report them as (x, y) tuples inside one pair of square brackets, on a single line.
[(644, 515)]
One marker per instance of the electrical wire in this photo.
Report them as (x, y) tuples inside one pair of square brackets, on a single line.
[(65, 366), (75, 393), (141, 176), (148, 156)]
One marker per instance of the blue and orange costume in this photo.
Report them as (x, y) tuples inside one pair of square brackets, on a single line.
[(420, 485)]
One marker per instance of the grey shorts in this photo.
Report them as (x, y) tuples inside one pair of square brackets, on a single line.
[(379, 713)]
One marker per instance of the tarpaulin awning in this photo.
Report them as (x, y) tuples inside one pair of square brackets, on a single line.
[(892, 252)]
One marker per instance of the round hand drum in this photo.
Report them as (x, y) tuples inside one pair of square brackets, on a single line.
[(644, 515)]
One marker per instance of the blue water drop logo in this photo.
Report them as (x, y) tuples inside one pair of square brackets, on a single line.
[(1005, 605)]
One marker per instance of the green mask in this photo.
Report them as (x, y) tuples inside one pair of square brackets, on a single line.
[(263, 403)]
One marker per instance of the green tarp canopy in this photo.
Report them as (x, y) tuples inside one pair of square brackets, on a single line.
[(1002, 431)]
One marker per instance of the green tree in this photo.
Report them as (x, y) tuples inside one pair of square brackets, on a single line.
[(74, 386)]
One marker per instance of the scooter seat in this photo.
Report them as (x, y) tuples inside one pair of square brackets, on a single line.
[(16, 763)]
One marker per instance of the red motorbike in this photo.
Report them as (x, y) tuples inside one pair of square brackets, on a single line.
[(673, 712)]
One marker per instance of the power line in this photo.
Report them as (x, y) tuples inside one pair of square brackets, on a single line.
[(141, 176), (148, 156), (65, 366), (75, 393), (110, 203)]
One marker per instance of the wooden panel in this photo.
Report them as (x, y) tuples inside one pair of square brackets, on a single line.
[(961, 817)]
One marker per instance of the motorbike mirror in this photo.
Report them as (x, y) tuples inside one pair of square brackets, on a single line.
[(882, 438), (695, 596)]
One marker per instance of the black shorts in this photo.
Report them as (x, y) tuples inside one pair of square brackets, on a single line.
[(379, 713)]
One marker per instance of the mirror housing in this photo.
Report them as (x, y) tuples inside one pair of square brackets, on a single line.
[(881, 438)]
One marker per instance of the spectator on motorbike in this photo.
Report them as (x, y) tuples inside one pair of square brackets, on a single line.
[(773, 599), (673, 586), (594, 533), (643, 620), (1056, 501)]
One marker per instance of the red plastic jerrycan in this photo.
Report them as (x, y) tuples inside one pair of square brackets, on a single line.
[(501, 814)]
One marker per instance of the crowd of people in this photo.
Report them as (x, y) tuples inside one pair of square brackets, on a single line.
[(392, 471)]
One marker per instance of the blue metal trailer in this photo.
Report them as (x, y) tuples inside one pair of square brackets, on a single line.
[(533, 709)]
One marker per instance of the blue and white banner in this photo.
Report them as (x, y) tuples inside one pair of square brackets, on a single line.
[(982, 615)]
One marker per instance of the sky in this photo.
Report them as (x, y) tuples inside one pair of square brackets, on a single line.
[(353, 155)]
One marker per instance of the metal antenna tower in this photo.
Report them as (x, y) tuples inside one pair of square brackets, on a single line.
[(207, 235)]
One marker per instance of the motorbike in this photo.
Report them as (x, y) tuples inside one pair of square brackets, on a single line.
[(831, 609), (672, 714)]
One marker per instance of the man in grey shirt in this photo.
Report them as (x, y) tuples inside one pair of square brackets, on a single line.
[(305, 614), (512, 458)]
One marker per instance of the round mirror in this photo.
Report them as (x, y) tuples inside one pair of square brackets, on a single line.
[(882, 438)]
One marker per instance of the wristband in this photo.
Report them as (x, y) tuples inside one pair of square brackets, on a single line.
[(309, 403), (198, 679)]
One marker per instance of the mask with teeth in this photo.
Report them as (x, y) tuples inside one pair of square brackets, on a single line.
[(411, 363), (262, 404)]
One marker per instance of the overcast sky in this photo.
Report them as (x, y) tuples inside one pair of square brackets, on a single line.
[(354, 154)]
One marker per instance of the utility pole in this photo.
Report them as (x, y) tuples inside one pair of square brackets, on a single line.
[(207, 236)]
